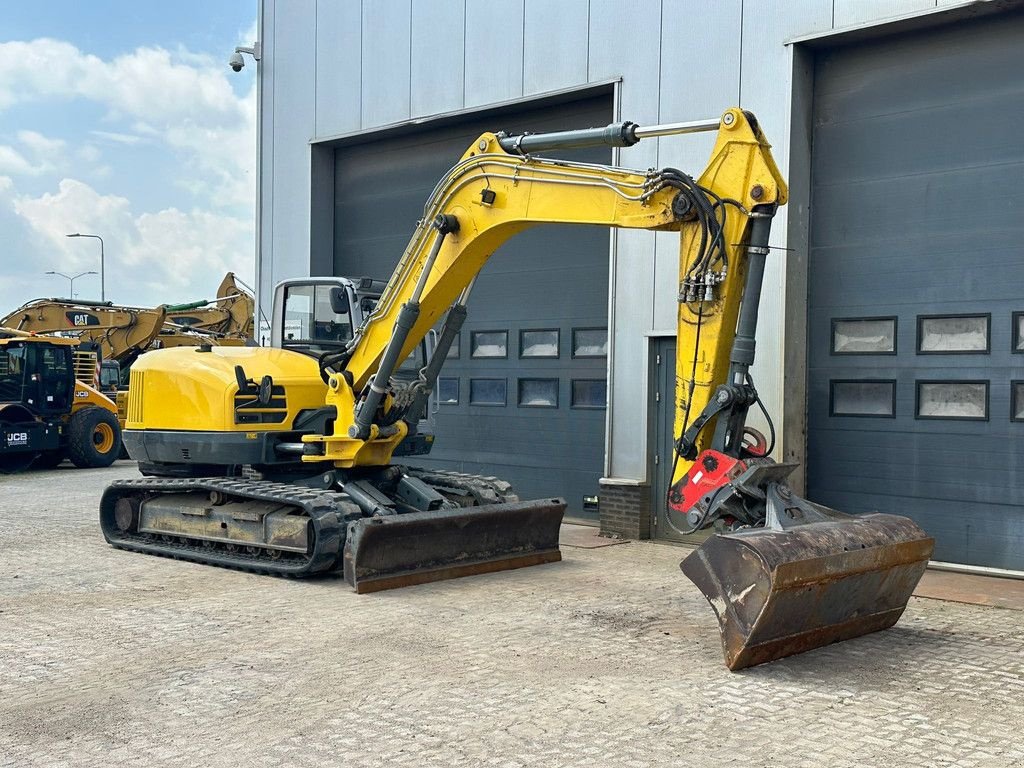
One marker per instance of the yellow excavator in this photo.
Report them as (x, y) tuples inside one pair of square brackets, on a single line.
[(121, 333), (124, 332), (228, 316), (281, 459)]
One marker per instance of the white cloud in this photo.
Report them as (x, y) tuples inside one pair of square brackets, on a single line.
[(46, 155), (151, 258), (13, 162), (153, 101), (119, 138), (181, 99), (41, 145), (148, 82), (89, 153)]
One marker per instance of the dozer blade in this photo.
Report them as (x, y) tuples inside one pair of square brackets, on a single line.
[(816, 577), (416, 548)]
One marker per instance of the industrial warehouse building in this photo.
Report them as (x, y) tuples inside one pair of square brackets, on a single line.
[(892, 324)]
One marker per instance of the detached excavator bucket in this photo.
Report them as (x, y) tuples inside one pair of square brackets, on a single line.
[(403, 550), (811, 577)]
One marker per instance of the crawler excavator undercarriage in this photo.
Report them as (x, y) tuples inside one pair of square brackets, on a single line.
[(281, 459)]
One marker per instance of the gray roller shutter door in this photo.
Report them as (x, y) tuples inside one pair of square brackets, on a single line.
[(553, 277), (918, 210)]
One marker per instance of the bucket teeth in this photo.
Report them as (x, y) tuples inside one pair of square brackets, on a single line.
[(403, 550), (785, 590)]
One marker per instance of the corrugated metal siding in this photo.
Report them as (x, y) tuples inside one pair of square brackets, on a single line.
[(386, 44), (849, 12), (438, 66), (494, 52), (339, 71), (554, 44), (293, 106)]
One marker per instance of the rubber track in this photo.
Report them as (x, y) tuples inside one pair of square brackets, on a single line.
[(485, 490), (319, 506)]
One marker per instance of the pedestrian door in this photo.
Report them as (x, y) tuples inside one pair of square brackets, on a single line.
[(662, 386)]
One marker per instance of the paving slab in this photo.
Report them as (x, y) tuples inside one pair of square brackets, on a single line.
[(609, 658)]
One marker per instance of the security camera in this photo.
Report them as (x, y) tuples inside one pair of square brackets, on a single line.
[(236, 62)]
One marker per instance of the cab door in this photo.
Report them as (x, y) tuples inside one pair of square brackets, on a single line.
[(52, 382)]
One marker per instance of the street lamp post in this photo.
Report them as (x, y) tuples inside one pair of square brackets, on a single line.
[(103, 291), (71, 279)]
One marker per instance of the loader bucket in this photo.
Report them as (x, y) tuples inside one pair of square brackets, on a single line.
[(416, 548), (787, 589)]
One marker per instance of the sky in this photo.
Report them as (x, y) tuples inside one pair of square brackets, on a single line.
[(123, 119)]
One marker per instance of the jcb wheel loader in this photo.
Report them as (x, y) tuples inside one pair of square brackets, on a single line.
[(319, 417), (46, 414)]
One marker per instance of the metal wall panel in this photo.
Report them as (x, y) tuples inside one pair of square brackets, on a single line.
[(438, 56), (265, 165), (554, 44), (765, 88), (293, 110), (633, 296), (690, 94), (386, 46), (630, 51), (339, 67), (494, 52), (547, 277), (850, 12), (915, 179)]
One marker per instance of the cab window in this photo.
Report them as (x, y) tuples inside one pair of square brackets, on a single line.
[(310, 321), (12, 373)]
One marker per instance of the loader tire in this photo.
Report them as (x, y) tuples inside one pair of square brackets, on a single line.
[(94, 438)]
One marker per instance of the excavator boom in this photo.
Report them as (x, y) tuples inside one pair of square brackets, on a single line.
[(229, 316)]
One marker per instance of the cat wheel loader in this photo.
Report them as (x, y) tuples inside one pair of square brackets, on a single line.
[(47, 412), (282, 459)]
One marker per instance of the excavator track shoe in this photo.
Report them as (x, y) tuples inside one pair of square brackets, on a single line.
[(782, 590), (251, 525), (395, 551)]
